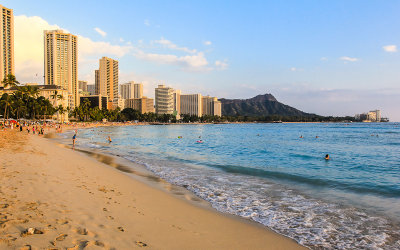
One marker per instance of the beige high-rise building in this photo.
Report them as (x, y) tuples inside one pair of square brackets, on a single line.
[(177, 102), (211, 106), (6, 43), (61, 63), (143, 105), (127, 90), (191, 104), (107, 79), (91, 89), (138, 90), (96, 82), (83, 86), (164, 100)]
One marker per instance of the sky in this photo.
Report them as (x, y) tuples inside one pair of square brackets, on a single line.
[(326, 57)]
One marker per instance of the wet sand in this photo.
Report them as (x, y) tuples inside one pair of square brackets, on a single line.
[(52, 197)]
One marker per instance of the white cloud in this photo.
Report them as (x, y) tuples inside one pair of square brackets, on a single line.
[(170, 45), (101, 32), (146, 22), (121, 40), (390, 48), (87, 47), (349, 59), (296, 69), (221, 65), (29, 51), (195, 62), (324, 59), (208, 43)]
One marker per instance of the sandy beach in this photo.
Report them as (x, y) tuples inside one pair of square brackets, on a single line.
[(52, 197)]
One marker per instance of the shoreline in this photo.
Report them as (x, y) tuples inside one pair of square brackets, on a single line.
[(90, 193)]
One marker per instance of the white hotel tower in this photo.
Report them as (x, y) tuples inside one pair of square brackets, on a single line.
[(61, 63)]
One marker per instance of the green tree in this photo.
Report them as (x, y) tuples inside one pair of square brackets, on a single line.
[(7, 101), (9, 81)]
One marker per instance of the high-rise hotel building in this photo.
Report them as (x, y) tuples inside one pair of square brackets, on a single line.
[(196, 104), (131, 90), (211, 106), (61, 63), (191, 104), (127, 90), (164, 100), (138, 90), (6, 43), (106, 79)]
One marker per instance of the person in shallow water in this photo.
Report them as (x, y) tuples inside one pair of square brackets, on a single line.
[(73, 140), (109, 139), (326, 157)]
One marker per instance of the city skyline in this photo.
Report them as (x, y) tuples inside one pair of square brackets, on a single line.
[(340, 60)]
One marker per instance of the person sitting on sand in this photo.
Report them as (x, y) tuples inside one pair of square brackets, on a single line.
[(327, 157)]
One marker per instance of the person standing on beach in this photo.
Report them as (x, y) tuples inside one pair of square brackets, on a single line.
[(73, 140)]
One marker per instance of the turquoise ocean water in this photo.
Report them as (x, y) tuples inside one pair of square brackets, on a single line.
[(267, 173)]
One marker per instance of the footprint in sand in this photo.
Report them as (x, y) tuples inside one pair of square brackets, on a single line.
[(81, 231), (81, 244), (121, 229), (61, 222), (99, 243), (140, 244), (4, 205), (26, 247), (110, 217), (61, 237)]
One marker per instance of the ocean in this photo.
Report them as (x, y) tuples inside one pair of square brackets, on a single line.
[(269, 174)]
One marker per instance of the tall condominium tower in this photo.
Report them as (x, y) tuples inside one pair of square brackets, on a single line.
[(177, 102), (83, 85), (61, 63), (191, 104), (164, 100), (138, 90), (107, 79), (127, 90), (211, 106), (6, 43)]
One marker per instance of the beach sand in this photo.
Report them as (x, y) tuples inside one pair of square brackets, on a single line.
[(52, 197)]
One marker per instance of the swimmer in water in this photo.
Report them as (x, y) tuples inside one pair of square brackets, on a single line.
[(317, 136), (326, 157), (301, 136)]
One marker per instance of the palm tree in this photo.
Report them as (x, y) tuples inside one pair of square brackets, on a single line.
[(85, 108), (61, 110), (7, 102), (9, 81), (55, 98)]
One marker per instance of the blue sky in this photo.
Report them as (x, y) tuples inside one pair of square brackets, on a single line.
[(324, 57)]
